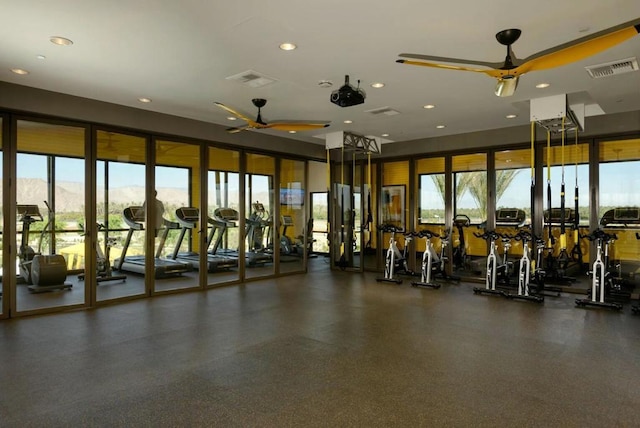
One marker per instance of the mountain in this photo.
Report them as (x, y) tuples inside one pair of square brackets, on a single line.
[(70, 195)]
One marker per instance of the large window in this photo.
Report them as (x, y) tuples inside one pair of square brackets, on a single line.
[(431, 191), (571, 166), (470, 186), (619, 198)]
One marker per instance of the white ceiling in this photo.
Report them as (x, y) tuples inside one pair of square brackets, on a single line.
[(180, 53)]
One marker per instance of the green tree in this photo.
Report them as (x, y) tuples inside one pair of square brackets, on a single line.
[(475, 183)]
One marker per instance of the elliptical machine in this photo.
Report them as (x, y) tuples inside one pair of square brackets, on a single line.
[(601, 280), (460, 221), (394, 258), (42, 272), (104, 272)]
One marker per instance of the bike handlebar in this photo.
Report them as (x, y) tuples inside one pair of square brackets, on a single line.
[(601, 234), (390, 228)]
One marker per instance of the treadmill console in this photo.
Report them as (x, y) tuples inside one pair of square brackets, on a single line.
[(228, 215), (29, 212), (134, 217), (258, 207), (554, 216), (287, 220), (510, 217), (187, 216), (622, 216)]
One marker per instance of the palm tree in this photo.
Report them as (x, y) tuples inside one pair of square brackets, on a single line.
[(478, 187), (461, 185), (476, 183)]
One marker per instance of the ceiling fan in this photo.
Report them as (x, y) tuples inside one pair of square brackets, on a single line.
[(290, 126), (508, 72)]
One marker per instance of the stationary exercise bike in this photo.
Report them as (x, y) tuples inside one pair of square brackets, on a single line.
[(42, 272), (103, 264), (394, 259), (492, 265), (433, 263), (601, 280), (524, 270)]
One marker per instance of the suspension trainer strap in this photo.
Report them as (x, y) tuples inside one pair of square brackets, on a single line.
[(369, 213), (563, 236), (577, 252), (533, 176), (342, 237), (550, 239)]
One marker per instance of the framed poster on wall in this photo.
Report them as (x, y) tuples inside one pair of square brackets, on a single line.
[(393, 200)]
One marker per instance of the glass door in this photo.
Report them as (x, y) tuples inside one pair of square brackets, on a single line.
[(177, 261), (430, 209), (50, 209), (470, 189), (224, 228), (260, 207), (319, 215), (2, 252), (295, 232), (120, 195)]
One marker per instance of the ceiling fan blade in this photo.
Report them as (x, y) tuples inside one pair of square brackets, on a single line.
[(236, 130), (233, 112), (490, 72), (293, 126), (579, 49), (451, 60)]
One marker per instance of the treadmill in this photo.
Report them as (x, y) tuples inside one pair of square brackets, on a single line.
[(163, 268), (228, 217), (188, 217)]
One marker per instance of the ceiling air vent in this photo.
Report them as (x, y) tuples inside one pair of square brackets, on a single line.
[(388, 111), (252, 78), (612, 68)]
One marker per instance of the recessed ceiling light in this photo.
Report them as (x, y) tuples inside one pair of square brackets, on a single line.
[(288, 46), (231, 118), (41, 57), (19, 71), (440, 126), (429, 106), (325, 83), (144, 100), (542, 85), (292, 132), (60, 41), (511, 116), (377, 85), (348, 121), (385, 135)]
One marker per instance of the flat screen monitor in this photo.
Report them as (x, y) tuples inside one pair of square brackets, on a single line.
[(292, 196)]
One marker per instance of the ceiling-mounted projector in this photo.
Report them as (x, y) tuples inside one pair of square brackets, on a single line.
[(347, 95)]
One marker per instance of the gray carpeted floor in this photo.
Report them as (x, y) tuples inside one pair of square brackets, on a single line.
[(323, 349)]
